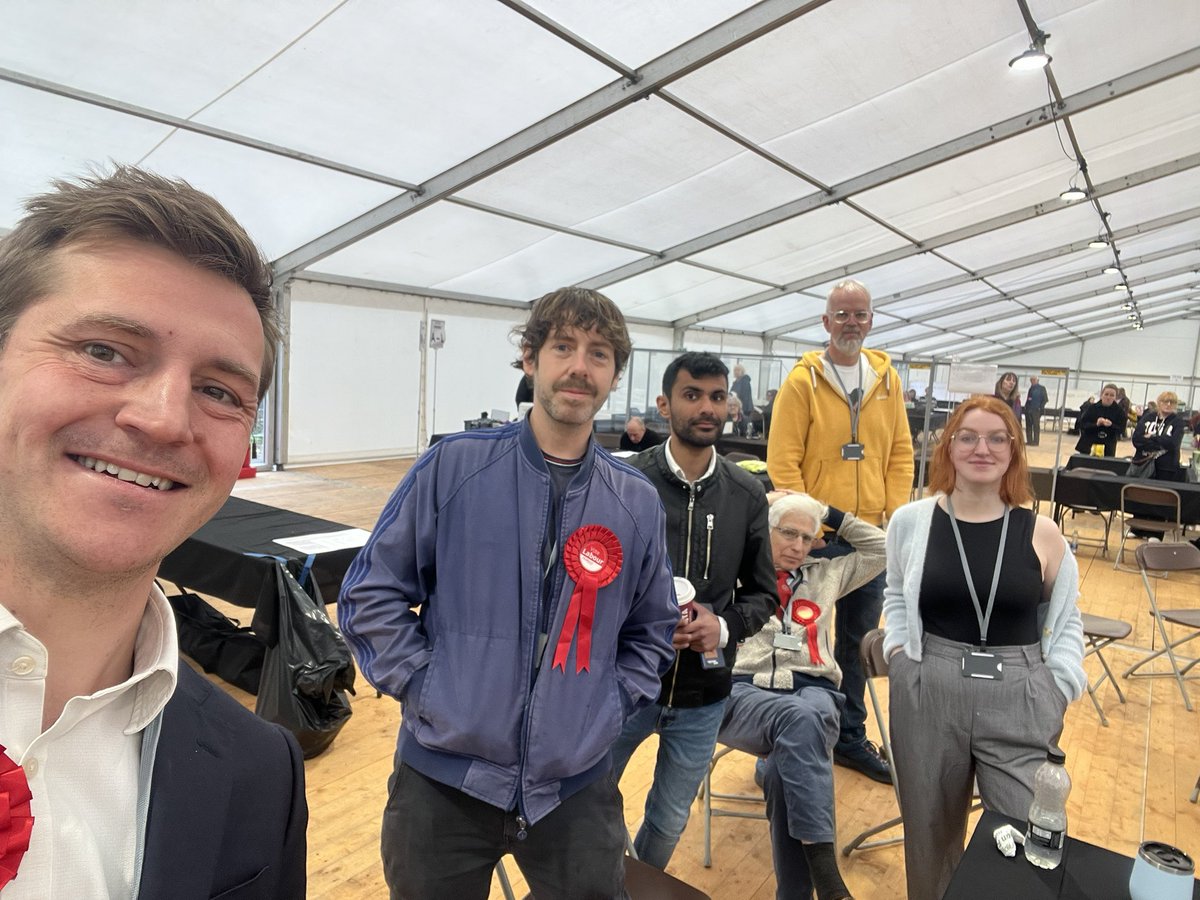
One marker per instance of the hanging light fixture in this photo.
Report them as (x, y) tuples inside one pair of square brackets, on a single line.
[(1099, 242), (1034, 58), (1122, 286), (1073, 193), (1112, 270)]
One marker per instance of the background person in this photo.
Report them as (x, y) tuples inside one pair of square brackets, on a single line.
[(1100, 423), (785, 705), (137, 336), (945, 604), (637, 437), (1035, 405), (1160, 431), (1008, 390)]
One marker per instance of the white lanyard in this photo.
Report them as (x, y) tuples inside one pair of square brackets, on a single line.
[(980, 615)]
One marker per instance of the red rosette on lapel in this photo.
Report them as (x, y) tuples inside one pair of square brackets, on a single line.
[(16, 822), (593, 559), (805, 613)]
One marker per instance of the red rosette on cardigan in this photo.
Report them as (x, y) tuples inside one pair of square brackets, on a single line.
[(16, 822), (593, 559), (805, 613)]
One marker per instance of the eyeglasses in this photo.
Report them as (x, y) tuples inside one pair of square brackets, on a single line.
[(842, 316), (791, 534), (996, 440)]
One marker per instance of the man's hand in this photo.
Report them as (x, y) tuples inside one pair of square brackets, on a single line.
[(702, 634), (1107, 422)]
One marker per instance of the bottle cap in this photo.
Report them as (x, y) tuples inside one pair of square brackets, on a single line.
[(1057, 757), (685, 593)]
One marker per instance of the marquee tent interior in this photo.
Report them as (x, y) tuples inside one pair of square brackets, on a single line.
[(714, 166)]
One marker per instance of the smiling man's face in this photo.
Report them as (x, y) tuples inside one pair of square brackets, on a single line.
[(127, 396)]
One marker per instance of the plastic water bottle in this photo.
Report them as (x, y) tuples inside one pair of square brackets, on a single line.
[(1047, 828), (1074, 542)]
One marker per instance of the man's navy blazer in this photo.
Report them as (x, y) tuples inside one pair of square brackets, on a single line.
[(227, 812)]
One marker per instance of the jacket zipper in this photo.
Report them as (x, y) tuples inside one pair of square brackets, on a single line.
[(687, 572), (708, 546), (522, 819)]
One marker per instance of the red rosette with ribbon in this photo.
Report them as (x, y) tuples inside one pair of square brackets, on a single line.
[(16, 821), (805, 614), (593, 559)]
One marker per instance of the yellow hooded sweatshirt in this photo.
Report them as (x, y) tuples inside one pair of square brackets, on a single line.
[(810, 423)]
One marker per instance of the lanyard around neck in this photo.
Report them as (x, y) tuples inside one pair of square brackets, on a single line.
[(855, 403), (982, 617)]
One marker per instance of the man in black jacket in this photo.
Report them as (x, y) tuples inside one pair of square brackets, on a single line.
[(718, 539)]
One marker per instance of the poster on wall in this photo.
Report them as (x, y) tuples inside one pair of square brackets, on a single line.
[(972, 379)]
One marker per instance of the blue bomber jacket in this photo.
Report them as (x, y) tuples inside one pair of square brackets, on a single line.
[(461, 539)]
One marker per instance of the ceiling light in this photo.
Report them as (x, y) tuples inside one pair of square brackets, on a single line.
[(1073, 193), (1098, 243), (1121, 287), (1112, 270), (1128, 304), (1034, 58)]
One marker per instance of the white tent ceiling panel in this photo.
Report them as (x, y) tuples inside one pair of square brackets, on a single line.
[(1074, 266), (1162, 239), (676, 290), (991, 181), (803, 246), (363, 86), (261, 189), (907, 334), (933, 301), (434, 245), (557, 260), (1066, 224), (1100, 40), (811, 334), (772, 314), (174, 58), (1157, 198), (637, 31), (984, 314), (901, 275), (45, 137), (648, 174)]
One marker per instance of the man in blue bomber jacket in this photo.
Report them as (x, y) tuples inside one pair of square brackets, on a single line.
[(546, 613)]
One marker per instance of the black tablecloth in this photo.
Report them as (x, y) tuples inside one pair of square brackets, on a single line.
[(1079, 487), (1113, 464), (213, 560), (1087, 872)]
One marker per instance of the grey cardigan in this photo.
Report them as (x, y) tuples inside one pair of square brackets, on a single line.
[(1062, 625)]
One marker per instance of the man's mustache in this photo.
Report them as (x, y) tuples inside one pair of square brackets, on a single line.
[(574, 384)]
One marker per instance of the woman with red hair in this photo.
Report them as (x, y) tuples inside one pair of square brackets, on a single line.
[(984, 639)]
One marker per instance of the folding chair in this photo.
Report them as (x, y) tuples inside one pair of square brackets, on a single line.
[(711, 812), (1100, 632), (1072, 494), (876, 666), (1154, 505), (1168, 558)]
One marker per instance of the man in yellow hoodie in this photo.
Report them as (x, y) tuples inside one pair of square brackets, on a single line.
[(840, 433)]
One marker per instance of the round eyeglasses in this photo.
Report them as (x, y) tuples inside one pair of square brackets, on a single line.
[(791, 535), (842, 316), (996, 440)]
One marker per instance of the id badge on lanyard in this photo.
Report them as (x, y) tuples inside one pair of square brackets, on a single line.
[(977, 662)]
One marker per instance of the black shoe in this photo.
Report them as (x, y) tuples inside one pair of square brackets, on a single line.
[(864, 758)]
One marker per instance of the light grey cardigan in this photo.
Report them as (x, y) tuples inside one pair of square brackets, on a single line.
[(1062, 625)]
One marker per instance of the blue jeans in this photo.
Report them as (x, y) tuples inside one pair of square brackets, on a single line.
[(687, 736), (857, 613)]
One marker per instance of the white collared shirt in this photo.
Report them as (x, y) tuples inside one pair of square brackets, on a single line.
[(678, 473), (83, 770)]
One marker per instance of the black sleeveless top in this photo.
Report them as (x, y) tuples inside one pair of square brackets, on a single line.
[(945, 603)]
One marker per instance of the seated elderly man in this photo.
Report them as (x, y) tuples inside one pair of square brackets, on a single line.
[(637, 437), (785, 705)]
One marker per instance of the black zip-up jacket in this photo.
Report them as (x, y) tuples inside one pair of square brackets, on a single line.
[(718, 538)]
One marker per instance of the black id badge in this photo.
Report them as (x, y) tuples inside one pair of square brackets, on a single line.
[(852, 452), (981, 664)]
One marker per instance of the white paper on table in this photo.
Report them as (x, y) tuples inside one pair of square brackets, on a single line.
[(326, 541)]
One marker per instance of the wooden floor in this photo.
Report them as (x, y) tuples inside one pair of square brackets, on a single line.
[(1131, 779)]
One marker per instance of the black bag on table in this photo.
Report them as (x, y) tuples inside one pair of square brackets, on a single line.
[(307, 669), (1142, 465), (219, 644)]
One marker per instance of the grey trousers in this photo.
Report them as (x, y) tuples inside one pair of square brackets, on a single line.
[(796, 732), (947, 731)]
